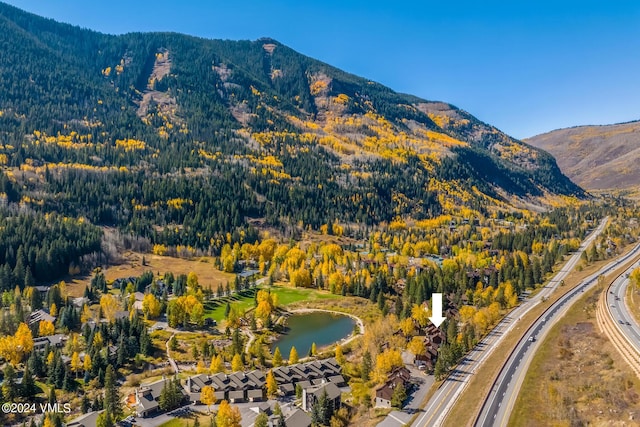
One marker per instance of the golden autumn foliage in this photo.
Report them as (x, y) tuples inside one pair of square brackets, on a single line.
[(76, 363), (48, 422), (228, 416), (13, 348), (417, 346), (151, 306), (217, 364), (159, 249), (178, 203), (236, 363), (388, 360), (86, 363), (293, 356), (318, 87), (267, 303), (86, 314), (207, 396), (271, 385), (109, 305), (46, 328), (130, 144)]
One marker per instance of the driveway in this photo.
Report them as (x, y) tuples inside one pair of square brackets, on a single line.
[(412, 404)]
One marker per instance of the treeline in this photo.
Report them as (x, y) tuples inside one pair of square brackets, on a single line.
[(41, 248)]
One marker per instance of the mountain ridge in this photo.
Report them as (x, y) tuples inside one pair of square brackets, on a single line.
[(266, 132), (598, 157)]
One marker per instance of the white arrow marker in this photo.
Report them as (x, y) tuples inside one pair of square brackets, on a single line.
[(436, 312)]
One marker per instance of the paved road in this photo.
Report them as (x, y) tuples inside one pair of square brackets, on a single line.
[(499, 404), (617, 305), (452, 387)]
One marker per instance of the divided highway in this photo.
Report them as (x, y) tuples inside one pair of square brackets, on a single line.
[(499, 404), (619, 311), (452, 387)]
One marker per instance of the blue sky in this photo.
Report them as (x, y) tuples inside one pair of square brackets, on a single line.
[(525, 67)]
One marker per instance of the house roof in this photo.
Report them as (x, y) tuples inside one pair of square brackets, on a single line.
[(87, 420), (254, 393), (121, 314), (298, 418), (236, 394), (400, 372), (55, 340), (196, 383), (304, 384), (262, 407), (147, 402), (40, 315), (333, 392), (337, 379), (384, 391), (257, 378), (148, 394), (286, 387)]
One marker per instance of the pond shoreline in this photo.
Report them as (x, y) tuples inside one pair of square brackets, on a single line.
[(346, 340)]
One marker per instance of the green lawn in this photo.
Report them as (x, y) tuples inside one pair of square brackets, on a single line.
[(176, 422), (215, 309), (245, 301), (288, 296), (183, 422)]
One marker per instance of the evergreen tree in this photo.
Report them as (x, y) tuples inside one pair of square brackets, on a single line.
[(112, 403), (52, 396), (145, 343), (36, 298), (85, 405), (398, 396), (298, 391), (28, 387), (366, 366), (322, 410), (8, 384)]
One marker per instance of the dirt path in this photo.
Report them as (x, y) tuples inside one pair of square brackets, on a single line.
[(171, 361), (252, 337)]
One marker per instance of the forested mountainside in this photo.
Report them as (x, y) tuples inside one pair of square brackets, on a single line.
[(183, 140), (596, 157)]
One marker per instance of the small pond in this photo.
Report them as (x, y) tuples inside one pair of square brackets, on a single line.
[(304, 329)]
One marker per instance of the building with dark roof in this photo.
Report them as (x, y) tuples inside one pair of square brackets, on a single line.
[(39, 316), (147, 398), (54, 341), (400, 376), (311, 395), (243, 386), (298, 418), (89, 419)]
